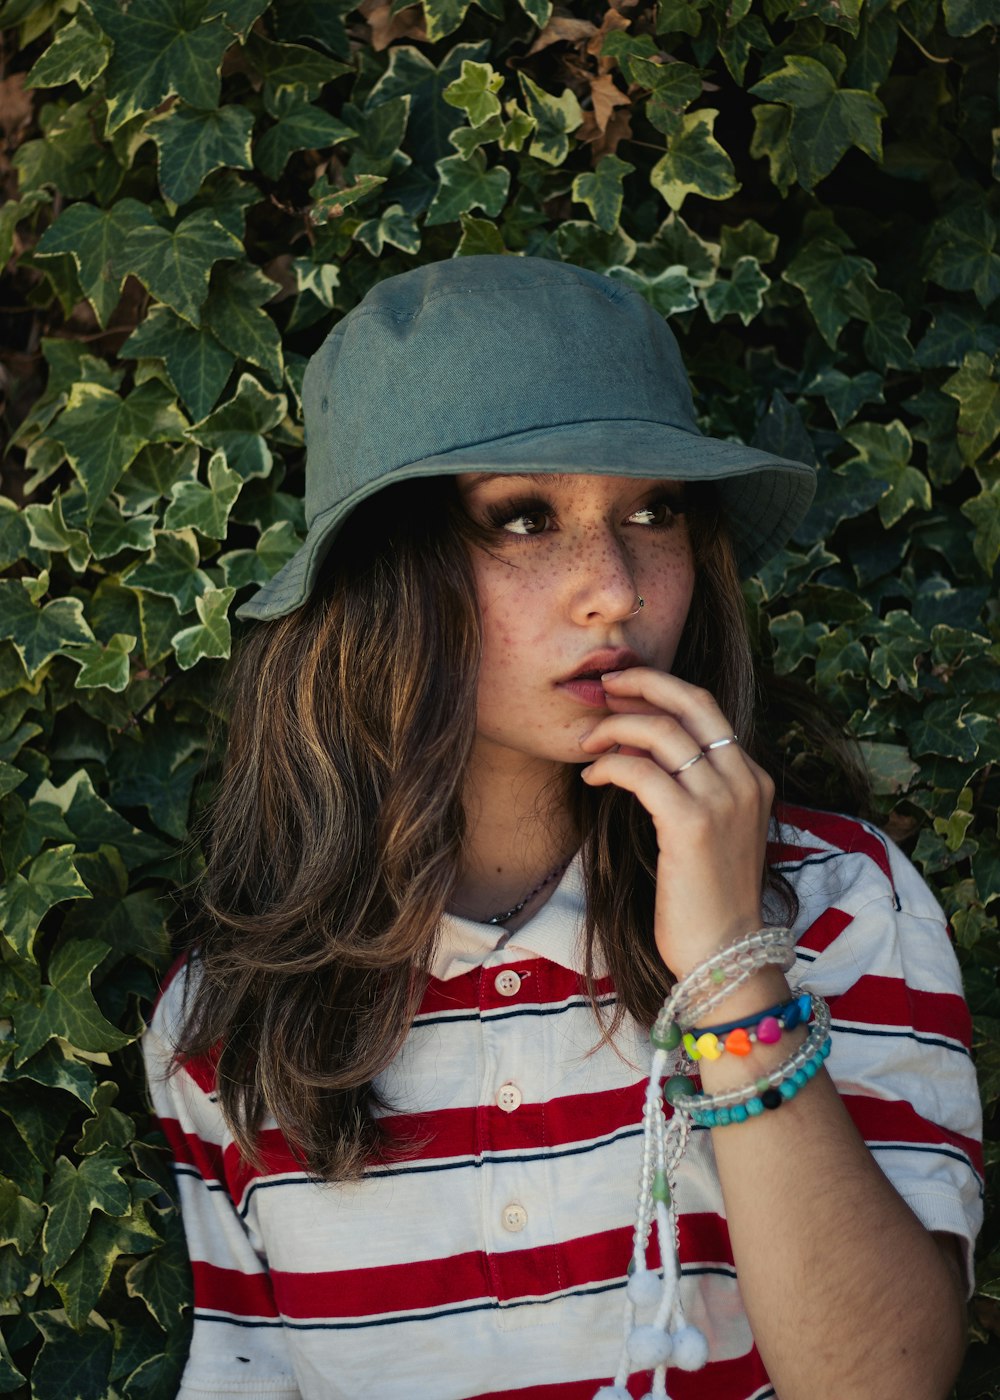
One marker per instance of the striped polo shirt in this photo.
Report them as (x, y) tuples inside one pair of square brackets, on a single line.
[(485, 1253)]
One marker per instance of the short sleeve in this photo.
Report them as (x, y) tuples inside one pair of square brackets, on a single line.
[(238, 1344), (874, 942)]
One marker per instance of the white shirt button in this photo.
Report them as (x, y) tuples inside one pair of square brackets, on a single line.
[(508, 1097), (514, 1218), (507, 983)]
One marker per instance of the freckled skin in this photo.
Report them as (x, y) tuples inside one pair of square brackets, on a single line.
[(550, 599)]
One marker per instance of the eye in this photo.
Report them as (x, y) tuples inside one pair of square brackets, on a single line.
[(659, 513), (531, 522), (519, 517)]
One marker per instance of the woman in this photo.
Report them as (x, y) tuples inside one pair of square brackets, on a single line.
[(490, 795)]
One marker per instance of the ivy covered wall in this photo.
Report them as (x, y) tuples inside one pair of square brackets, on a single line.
[(195, 191)]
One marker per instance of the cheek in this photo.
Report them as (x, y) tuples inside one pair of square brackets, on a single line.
[(512, 604)]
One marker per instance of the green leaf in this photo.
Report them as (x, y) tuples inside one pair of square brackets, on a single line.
[(275, 547), (965, 17), (871, 56), (163, 1279), (205, 508), (695, 163), (238, 428), (884, 452), (20, 1218), (14, 533), (40, 633), (103, 433), (554, 118), (68, 1009), (82, 1280), (198, 365), (442, 17), (79, 53), (901, 643), (794, 640), (601, 190), (49, 531), (234, 315), (465, 185), (940, 728), (977, 390), (104, 665), (55, 1067), (96, 240), (984, 512), (667, 292), (844, 396), (109, 1127), (158, 773), (72, 1365), (333, 205), (193, 143), (826, 120), (747, 240), (886, 342), (212, 636), (772, 125), (24, 901), (962, 257), (162, 48), (302, 128), (475, 91), (392, 226), (110, 533), (175, 264), (674, 243), (822, 272), (172, 569), (741, 295)]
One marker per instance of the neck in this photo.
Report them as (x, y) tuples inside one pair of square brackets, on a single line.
[(519, 829)]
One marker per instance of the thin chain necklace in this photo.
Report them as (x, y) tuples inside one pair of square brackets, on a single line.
[(503, 917)]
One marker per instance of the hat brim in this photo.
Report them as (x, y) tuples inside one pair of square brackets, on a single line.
[(765, 497)]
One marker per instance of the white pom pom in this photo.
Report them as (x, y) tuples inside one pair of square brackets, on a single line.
[(644, 1289), (690, 1349), (612, 1392), (649, 1347)]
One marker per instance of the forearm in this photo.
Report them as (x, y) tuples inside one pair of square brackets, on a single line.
[(847, 1294)]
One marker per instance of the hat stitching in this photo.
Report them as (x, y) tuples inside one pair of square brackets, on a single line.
[(360, 309)]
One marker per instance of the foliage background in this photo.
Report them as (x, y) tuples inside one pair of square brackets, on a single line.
[(195, 191)]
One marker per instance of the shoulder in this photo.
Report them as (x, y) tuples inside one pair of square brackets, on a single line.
[(165, 1030)]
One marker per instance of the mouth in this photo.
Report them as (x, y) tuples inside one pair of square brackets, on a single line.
[(584, 684)]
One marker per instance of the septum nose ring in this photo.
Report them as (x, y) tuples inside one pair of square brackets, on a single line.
[(640, 604)]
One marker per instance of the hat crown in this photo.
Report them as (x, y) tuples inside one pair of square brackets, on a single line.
[(472, 350)]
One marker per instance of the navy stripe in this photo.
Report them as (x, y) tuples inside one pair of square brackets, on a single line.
[(897, 1034), (505, 1014)]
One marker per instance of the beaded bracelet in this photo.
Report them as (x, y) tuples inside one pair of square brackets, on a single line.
[(769, 1091), (741, 1036), (712, 981)]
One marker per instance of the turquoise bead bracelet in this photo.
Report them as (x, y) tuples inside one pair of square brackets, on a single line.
[(772, 1097)]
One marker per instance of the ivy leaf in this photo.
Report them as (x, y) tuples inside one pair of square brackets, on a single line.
[(901, 642), (72, 1364), (964, 17), (939, 728), (79, 53), (885, 339), (884, 452), (109, 1127), (14, 533), (238, 428), (40, 633), (554, 118), (669, 291), (984, 512), (978, 393), (274, 549), (172, 569), (393, 226), (891, 770), (205, 508), (772, 125), (104, 665), (197, 364), (954, 331), (234, 315), (695, 163), (601, 190), (826, 120), (475, 92), (675, 243), (162, 48), (20, 1218), (443, 17), (158, 774), (175, 264), (962, 255), (49, 531), (843, 395), (822, 272), (467, 139), (73, 1196), (103, 433), (741, 295), (212, 636), (95, 239), (163, 1279), (68, 1009), (465, 185), (110, 533), (192, 143), (747, 240), (302, 127), (82, 1280)]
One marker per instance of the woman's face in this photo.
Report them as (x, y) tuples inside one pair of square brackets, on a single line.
[(558, 589)]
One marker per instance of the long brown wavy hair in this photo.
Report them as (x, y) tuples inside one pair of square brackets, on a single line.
[(336, 833)]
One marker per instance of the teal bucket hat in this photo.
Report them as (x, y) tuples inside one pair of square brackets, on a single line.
[(512, 364)]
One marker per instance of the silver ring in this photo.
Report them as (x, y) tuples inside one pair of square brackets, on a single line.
[(720, 743), (640, 604), (684, 766)]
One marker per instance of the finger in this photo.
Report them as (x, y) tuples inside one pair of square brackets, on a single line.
[(664, 738), (695, 707)]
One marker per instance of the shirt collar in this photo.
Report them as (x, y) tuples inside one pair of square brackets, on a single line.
[(555, 932)]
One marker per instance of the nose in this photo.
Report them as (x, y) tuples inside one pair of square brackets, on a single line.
[(603, 585)]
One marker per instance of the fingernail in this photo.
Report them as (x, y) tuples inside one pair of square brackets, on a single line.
[(609, 675), (585, 771)]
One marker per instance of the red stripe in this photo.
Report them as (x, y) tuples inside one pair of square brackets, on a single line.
[(895, 1120), (189, 1150), (719, 1380), (844, 833), (888, 1001), (542, 983), (825, 930), (229, 1290)]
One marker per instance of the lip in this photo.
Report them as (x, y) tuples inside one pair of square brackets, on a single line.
[(586, 688)]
